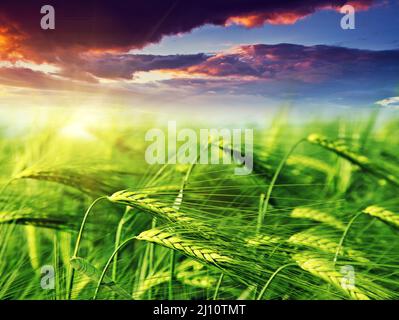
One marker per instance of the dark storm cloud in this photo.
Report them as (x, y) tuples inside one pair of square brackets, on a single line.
[(103, 25)]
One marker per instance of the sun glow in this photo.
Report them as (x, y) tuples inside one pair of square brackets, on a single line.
[(76, 130), (80, 125)]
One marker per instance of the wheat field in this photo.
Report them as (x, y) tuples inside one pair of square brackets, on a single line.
[(318, 218)]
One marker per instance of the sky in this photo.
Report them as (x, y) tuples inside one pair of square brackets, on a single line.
[(200, 54)]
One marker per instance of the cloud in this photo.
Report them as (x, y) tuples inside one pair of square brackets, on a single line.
[(27, 78), (284, 71), (282, 62), (83, 26), (22, 77), (391, 103), (124, 66), (307, 64), (323, 73)]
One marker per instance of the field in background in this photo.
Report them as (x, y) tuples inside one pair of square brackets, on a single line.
[(319, 221)]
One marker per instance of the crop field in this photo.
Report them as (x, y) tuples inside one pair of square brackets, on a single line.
[(84, 216)]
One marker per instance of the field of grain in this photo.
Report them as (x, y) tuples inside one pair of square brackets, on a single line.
[(318, 218)]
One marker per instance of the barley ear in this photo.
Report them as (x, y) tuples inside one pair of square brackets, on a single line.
[(384, 215)]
